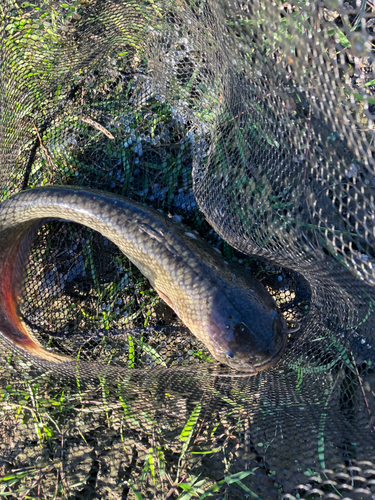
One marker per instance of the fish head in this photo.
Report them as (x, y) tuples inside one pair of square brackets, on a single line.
[(249, 337)]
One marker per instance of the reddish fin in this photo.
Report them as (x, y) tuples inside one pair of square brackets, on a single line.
[(167, 300), (12, 262)]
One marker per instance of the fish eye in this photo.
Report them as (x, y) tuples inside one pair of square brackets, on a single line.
[(229, 354)]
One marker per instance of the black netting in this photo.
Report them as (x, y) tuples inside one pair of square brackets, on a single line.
[(251, 122)]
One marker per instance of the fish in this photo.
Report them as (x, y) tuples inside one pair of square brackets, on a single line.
[(222, 304)]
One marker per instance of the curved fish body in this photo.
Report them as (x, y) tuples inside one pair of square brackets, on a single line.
[(222, 304)]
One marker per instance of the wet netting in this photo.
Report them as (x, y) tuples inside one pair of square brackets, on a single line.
[(252, 123)]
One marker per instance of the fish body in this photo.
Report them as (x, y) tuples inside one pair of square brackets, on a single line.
[(221, 303)]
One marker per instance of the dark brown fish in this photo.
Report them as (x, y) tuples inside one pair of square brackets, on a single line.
[(222, 304)]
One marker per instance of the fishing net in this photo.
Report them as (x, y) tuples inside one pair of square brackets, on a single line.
[(252, 122)]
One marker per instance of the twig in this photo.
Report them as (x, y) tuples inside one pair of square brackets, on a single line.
[(97, 126), (74, 89), (363, 393), (45, 151), (31, 487), (175, 487), (62, 474)]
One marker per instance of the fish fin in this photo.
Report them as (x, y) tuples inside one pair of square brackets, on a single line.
[(167, 300), (156, 235)]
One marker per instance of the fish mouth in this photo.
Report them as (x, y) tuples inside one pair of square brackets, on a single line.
[(276, 357), (253, 369)]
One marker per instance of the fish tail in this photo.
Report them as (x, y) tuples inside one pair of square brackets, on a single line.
[(12, 328), (33, 347)]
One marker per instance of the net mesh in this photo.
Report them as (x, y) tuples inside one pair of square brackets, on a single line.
[(251, 118)]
